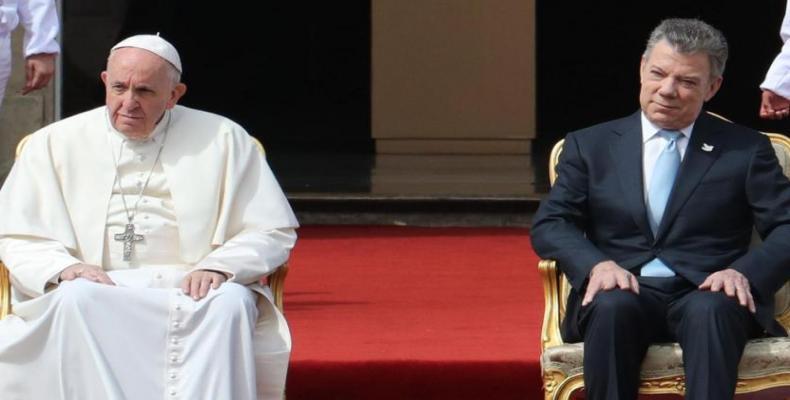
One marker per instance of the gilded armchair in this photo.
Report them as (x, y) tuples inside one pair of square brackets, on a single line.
[(275, 280), (765, 363)]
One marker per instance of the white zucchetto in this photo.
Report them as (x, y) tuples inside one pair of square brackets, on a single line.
[(155, 44)]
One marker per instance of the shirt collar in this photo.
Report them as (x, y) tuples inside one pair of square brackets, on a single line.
[(649, 130)]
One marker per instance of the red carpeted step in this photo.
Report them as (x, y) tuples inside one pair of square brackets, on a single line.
[(414, 313)]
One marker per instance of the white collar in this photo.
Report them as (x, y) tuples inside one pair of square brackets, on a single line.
[(649, 129)]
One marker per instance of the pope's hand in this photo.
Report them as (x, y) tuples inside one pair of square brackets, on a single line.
[(197, 283), (734, 284), (607, 275), (86, 271)]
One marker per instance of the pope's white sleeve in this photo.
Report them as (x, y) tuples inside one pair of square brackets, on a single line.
[(40, 20), (251, 255), (777, 79), (34, 262)]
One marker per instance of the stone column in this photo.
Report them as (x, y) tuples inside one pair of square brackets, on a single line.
[(453, 97), (453, 76)]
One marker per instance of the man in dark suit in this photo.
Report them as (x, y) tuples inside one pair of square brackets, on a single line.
[(651, 218)]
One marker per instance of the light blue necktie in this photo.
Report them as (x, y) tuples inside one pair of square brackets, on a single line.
[(664, 172)]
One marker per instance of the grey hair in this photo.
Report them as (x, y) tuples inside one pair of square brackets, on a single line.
[(690, 36), (173, 73)]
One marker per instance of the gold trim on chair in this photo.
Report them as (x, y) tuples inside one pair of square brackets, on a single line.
[(552, 315), (20, 146), (561, 381), (5, 291), (276, 281), (554, 160)]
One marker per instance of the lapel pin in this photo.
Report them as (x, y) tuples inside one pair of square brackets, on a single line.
[(706, 147)]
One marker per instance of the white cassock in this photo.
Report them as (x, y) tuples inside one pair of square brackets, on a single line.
[(40, 20), (777, 79), (211, 202)]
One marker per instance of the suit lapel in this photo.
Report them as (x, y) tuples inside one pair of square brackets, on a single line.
[(695, 165), (626, 153)]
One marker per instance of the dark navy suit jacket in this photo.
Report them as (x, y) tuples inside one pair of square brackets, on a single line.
[(596, 210)]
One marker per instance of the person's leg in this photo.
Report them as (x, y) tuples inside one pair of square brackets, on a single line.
[(210, 345), (618, 326), (86, 340), (712, 329)]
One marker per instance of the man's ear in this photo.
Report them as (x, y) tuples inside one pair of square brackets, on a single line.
[(642, 62), (179, 90), (103, 76), (714, 87)]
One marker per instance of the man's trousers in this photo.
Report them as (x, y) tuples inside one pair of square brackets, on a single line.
[(618, 326)]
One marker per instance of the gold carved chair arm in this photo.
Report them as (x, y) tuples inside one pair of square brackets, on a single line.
[(276, 281), (552, 314), (5, 291)]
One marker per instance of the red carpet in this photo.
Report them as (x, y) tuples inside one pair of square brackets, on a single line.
[(414, 313)]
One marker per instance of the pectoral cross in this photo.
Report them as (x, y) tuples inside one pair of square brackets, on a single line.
[(128, 237)]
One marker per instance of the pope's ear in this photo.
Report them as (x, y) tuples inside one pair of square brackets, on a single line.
[(103, 76), (179, 90)]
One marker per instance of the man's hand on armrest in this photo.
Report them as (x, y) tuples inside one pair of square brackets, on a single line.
[(734, 284), (87, 271), (197, 283), (607, 275)]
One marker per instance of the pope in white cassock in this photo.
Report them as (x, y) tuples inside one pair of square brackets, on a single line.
[(136, 235)]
